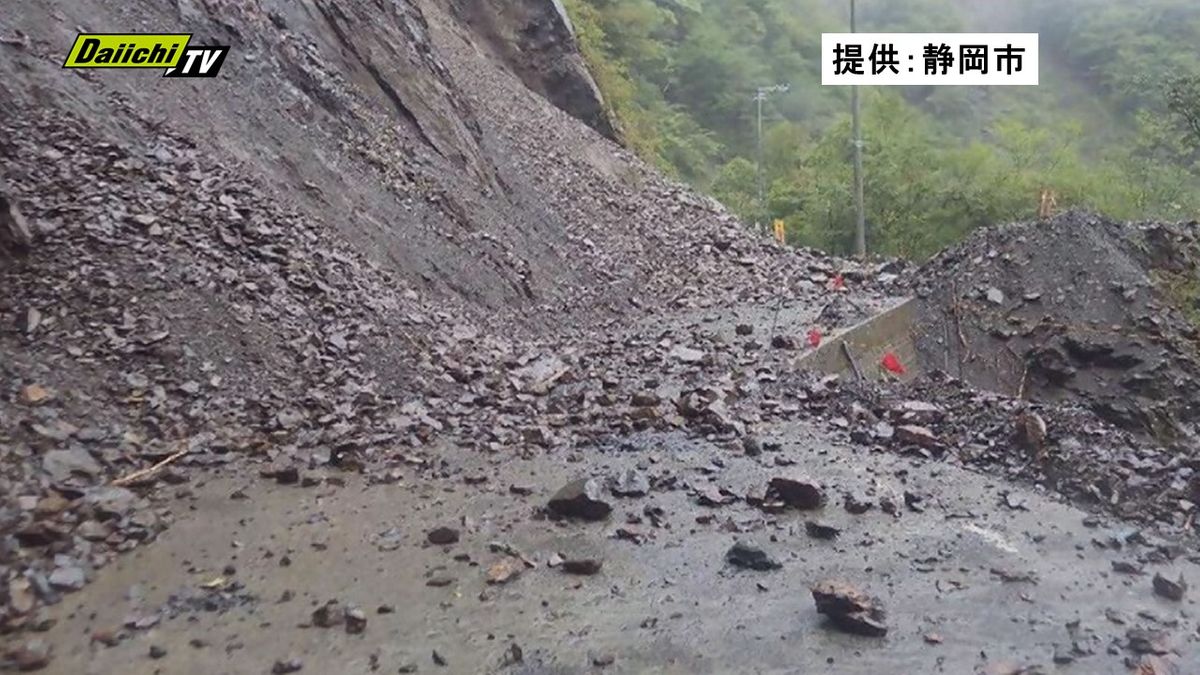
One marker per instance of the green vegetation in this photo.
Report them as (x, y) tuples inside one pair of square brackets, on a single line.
[(1115, 125)]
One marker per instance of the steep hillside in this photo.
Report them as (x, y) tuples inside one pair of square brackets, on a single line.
[(375, 354), (368, 208), (1107, 129)]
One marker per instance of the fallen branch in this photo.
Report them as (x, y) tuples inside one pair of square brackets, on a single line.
[(962, 339), (142, 473)]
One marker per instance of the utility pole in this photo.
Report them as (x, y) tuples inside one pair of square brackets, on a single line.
[(860, 213), (760, 95)]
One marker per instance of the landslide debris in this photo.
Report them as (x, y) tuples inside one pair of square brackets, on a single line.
[(536, 40), (1078, 308), (1059, 352), (394, 257), (325, 304), (849, 608)]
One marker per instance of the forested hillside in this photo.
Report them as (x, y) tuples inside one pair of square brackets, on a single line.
[(1113, 126)]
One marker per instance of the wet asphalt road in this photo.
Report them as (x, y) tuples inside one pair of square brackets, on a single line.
[(666, 604)]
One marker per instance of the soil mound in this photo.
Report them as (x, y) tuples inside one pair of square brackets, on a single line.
[(1076, 309)]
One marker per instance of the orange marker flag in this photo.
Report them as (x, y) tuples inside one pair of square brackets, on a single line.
[(814, 337)]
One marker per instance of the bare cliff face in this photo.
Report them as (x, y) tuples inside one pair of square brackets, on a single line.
[(536, 40)]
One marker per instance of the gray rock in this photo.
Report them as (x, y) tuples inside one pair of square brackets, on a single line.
[(751, 446), (857, 504), (110, 501), (687, 354), (1148, 641), (71, 578), (284, 666), (581, 499), (1171, 590), (919, 436), (821, 531), (62, 465), (582, 566), (799, 493), (31, 656), (442, 536), (540, 376), (356, 620), (630, 483), (15, 234), (749, 556)]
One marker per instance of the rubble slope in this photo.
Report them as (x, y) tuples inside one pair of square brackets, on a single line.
[(339, 248), (1073, 309)]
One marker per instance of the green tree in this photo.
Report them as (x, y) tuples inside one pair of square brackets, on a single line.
[(736, 187), (1103, 131)]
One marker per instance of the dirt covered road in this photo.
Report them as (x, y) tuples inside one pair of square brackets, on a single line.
[(304, 366), (972, 573)]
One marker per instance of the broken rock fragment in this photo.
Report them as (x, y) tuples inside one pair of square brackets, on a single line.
[(356, 620), (630, 483), (505, 570), (918, 436), (328, 615), (31, 656), (850, 609), (540, 376), (784, 342), (857, 504), (1031, 431), (687, 354), (582, 566), (645, 399), (441, 536), (15, 234), (283, 473), (798, 493), (62, 465), (749, 556), (821, 531), (110, 502), (1148, 641), (1171, 590), (284, 666), (34, 394), (713, 496), (581, 499)]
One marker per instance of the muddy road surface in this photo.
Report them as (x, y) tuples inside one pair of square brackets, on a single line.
[(972, 573)]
